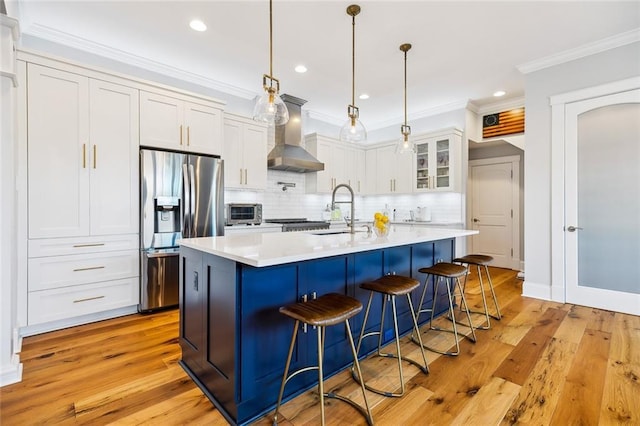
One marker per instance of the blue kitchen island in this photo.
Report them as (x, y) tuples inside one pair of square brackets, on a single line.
[(234, 341)]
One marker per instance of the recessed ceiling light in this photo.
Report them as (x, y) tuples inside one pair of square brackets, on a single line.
[(499, 93), (301, 69), (197, 25), (364, 96)]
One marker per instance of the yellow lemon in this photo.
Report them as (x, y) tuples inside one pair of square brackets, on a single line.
[(377, 216)]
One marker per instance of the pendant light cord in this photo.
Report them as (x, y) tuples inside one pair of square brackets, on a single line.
[(353, 60), (271, 38), (405, 87)]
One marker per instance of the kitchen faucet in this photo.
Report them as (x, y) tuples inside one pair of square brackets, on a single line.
[(334, 202)]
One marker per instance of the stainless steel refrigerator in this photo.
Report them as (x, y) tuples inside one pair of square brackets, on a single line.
[(181, 196)]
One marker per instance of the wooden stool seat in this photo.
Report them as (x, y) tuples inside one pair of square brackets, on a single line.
[(390, 286), (474, 259), (328, 309), (446, 270), (393, 285), (481, 260)]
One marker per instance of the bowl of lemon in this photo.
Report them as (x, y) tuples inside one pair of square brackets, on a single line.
[(381, 224)]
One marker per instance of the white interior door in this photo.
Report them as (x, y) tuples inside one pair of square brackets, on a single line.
[(492, 210), (602, 202)]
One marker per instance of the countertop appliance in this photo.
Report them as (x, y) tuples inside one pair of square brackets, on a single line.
[(181, 196), (299, 224), (243, 214)]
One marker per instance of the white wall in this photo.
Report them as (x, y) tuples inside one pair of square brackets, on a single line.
[(615, 64)]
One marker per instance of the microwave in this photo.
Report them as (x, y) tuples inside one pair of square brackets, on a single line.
[(243, 214)]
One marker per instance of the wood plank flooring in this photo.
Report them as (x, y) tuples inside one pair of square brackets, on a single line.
[(543, 363)]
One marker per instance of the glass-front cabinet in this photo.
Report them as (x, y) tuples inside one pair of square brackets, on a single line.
[(437, 161)]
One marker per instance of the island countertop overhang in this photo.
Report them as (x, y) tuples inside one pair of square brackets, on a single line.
[(269, 249)]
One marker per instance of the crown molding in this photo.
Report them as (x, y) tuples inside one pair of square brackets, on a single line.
[(507, 104), (60, 37), (315, 115), (608, 43)]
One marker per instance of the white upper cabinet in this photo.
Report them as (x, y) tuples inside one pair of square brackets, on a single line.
[(342, 164), (178, 124), (437, 162), (392, 173), (82, 156), (244, 153)]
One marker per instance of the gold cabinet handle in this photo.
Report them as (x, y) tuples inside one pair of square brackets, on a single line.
[(188, 135), (246, 181), (89, 268), (181, 134), (240, 176), (88, 299), (88, 245), (84, 155), (95, 156)]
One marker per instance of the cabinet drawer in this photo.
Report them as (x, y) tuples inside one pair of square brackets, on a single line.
[(64, 246), (64, 271), (52, 305)]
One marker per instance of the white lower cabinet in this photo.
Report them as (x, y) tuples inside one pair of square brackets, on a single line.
[(69, 277), (68, 302)]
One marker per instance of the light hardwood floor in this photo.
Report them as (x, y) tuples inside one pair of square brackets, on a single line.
[(543, 363)]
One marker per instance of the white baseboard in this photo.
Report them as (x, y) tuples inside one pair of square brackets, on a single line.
[(11, 373), (536, 290), (32, 330)]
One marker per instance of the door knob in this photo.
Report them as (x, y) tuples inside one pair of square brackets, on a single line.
[(475, 220), (573, 228)]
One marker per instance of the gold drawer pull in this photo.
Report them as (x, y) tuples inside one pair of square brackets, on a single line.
[(88, 299), (88, 245), (90, 268)]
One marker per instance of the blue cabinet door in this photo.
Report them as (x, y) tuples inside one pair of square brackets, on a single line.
[(192, 320), (318, 277), (265, 333)]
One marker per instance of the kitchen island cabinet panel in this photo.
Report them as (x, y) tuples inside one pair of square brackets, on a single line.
[(238, 357)]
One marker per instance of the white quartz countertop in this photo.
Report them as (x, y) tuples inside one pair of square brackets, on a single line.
[(268, 249), (263, 225)]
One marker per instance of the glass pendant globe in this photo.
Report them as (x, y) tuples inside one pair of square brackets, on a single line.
[(271, 109), (353, 131), (405, 146)]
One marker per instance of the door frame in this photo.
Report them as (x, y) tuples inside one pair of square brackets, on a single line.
[(558, 127), (516, 260)]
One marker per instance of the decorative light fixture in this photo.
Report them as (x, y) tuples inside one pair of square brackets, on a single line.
[(405, 146), (353, 130), (269, 107)]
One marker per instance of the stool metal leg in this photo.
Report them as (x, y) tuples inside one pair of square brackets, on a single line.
[(286, 371), (397, 355), (486, 313), (320, 376), (454, 331)]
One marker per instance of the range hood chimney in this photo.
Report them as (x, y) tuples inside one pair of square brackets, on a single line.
[(288, 154)]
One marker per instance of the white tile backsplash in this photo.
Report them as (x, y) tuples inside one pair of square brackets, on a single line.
[(294, 202)]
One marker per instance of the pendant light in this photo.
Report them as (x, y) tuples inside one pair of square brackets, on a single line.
[(353, 130), (405, 146), (269, 107)]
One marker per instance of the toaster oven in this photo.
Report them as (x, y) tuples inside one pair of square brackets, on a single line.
[(243, 214)]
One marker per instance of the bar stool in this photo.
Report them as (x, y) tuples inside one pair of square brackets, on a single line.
[(481, 260), (446, 272), (390, 286), (329, 309)]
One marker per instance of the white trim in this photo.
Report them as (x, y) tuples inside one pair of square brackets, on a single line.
[(536, 290), (558, 121), (515, 261), (11, 373), (75, 42), (80, 320), (506, 104), (596, 91), (608, 43)]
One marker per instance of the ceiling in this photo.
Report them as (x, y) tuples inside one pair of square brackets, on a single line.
[(463, 51)]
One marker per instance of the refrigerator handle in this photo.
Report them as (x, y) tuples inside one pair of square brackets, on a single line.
[(192, 207), (186, 229)]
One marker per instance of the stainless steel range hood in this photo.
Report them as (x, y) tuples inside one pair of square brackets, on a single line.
[(288, 155)]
